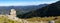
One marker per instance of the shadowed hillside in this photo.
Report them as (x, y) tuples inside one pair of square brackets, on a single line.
[(50, 10)]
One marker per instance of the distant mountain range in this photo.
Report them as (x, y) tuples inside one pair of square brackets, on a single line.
[(49, 10), (21, 9)]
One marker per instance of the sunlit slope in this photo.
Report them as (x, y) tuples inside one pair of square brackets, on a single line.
[(45, 19), (4, 19)]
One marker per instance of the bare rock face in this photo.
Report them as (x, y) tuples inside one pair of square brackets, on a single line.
[(13, 12)]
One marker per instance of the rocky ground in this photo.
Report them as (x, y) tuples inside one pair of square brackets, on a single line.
[(4, 19)]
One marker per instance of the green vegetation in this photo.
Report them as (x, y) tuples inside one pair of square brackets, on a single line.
[(6, 20), (45, 19)]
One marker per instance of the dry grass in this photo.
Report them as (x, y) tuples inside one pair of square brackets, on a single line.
[(32, 20), (4, 19), (45, 19)]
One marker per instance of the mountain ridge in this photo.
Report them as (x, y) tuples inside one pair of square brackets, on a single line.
[(50, 10), (22, 9)]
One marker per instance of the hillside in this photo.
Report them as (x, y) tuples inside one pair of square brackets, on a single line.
[(4, 19), (21, 9), (50, 10)]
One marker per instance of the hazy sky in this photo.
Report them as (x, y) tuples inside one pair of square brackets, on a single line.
[(24, 2)]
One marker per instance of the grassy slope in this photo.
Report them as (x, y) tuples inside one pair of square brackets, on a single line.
[(6, 20), (45, 19)]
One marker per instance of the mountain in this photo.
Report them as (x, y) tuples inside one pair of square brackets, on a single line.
[(49, 10), (20, 9)]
